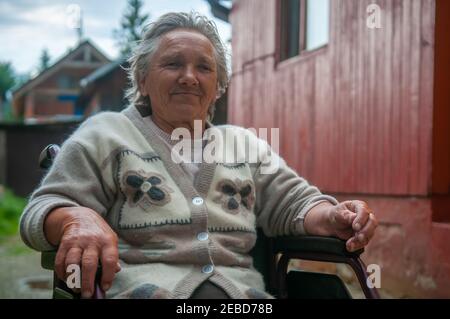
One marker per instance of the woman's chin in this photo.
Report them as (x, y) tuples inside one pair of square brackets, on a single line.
[(187, 111)]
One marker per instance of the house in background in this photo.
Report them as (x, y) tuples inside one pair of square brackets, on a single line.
[(104, 89), (363, 112), (54, 93)]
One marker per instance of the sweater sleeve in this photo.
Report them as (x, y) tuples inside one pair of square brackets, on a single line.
[(73, 180), (283, 198)]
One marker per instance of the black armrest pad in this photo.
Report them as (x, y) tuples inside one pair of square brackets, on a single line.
[(313, 244), (48, 259)]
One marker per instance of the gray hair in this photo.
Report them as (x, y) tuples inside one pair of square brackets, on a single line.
[(141, 55)]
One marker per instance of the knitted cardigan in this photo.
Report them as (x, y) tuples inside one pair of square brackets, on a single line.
[(174, 233)]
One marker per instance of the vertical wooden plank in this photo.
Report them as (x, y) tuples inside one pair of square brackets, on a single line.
[(251, 17), (329, 146), (337, 107), (322, 159), (256, 95), (396, 98), (405, 89), (354, 179), (307, 129), (374, 119), (235, 26), (364, 120), (237, 105), (426, 93), (441, 117), (246, 95), (373, 137), (283, 96), (414, 187), (339, 124), (387, 91), (345, 112), (230, 103), (363, 137)]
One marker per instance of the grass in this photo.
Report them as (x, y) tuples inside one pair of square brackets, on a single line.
[(11, 207), (11, 246)]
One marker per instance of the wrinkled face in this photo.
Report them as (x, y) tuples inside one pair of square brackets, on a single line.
[(182, 78)]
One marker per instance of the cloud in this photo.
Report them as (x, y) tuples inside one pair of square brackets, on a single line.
[(27, 26)]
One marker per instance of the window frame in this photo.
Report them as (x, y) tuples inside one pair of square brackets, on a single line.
[(302, 52)]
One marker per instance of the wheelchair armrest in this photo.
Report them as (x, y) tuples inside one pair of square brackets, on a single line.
[(327, 249), (48, 259), (313, 244), (60, 289)]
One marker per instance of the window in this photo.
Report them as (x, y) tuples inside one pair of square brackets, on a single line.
[(290, 27), (66, 82), (304, 26), (317, 23)]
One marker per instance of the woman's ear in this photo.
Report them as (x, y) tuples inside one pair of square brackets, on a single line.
[(218, 94), (142, 87)]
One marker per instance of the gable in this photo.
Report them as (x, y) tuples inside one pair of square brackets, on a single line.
[(85, 56)]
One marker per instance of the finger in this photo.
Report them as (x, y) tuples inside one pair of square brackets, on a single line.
[(89, 265), (362, 215), (60, 262), (110, 257), (366, 234), (344, 217), (118, 267), (73, 257), (350, 205), (353, 244)]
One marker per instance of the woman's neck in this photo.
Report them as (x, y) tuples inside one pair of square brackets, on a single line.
[(194, 127)]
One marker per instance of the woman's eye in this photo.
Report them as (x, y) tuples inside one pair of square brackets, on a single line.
[(205, 67), (173, 65)]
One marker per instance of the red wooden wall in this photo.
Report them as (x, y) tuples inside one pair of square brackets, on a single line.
[(355, 116)]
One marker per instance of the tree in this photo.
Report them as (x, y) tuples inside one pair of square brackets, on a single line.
[(6, 79), (44, 60), (131, 25)]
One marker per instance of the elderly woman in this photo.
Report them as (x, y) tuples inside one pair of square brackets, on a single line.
[(165, 230)]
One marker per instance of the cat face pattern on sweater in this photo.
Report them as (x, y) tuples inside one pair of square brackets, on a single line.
[(152, 198), (236, 196)]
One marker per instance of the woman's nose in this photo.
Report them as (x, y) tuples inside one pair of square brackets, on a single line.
[(188, 77)]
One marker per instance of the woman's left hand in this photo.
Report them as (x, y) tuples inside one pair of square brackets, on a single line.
[(354, 222)]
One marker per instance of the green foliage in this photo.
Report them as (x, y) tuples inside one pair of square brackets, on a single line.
[(6, 79), (11, 207), (44, 60), (21, 79), (131, 26)]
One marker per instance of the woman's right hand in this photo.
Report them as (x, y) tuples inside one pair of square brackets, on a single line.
[(83, 237)]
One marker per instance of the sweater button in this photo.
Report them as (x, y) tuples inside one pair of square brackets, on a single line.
[(197, 201), (145, 187), (202, 236), (207, 269)]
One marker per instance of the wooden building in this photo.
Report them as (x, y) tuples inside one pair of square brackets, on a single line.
[(55, 91), (104, 89), (363, 107)]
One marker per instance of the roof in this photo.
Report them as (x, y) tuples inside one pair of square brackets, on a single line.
[(17, 92), (102, 72), (219, 10)]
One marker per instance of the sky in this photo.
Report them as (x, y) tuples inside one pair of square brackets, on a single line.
[(29, 26)]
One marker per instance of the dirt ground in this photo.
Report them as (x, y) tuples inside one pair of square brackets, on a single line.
[(21, 275)]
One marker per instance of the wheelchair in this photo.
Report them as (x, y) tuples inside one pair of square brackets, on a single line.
[(271, 257)]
